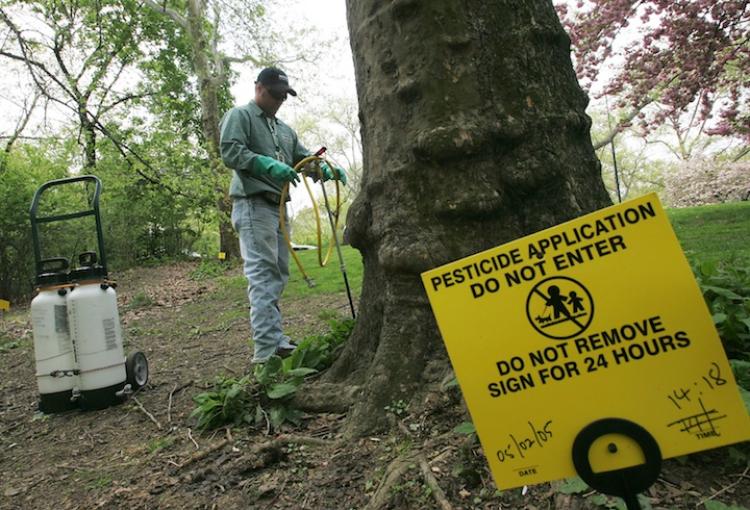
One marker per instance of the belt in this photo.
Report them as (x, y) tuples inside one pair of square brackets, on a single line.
[(271, 197)]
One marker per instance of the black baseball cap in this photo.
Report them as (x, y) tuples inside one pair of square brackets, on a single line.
[(275, 80)]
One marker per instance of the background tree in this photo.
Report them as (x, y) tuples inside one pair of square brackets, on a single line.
[(701, 182), (219, 33), (27, 110), (458, 158), (680, 54), (75, 53), (638, 171)]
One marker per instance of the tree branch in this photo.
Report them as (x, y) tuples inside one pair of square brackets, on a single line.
[(31, 64), (176, 16), (20, 126), (620, 126), (242, 60)]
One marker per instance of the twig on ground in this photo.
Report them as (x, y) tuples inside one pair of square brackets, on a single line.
[(402, 427), (712, 496), (169, 406), (432, 483), (202, 455), (442, 453), (150, 416), (233, 372), (305, 440), (190, 435), (229, 435)]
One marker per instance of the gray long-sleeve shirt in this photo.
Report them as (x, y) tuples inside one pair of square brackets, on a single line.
[(246, 132)]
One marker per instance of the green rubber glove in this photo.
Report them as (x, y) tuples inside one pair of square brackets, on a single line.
[(326, 171), (276, 169), (336, 173)]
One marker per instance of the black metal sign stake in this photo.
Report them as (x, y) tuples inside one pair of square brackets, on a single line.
[(625, 483)]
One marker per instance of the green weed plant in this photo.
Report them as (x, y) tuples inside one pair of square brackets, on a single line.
[(264, 398), (207, 269), (726, 289)]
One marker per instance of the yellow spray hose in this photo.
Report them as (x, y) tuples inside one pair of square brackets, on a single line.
[(316, 160)]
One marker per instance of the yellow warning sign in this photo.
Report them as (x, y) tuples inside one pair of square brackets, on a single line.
[(597, 318), (222, 255), (4, 305)]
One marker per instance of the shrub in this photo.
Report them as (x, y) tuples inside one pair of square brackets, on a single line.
[(703, 182)]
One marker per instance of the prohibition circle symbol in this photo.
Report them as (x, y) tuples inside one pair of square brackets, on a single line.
[(559, 307)]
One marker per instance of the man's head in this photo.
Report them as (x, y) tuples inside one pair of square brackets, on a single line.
[(271, 89)]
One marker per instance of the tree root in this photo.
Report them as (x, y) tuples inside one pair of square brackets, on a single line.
[(325, 398), (432, 483), (258, 456), (393, 474)]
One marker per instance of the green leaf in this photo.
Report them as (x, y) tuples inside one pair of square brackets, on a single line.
[(599, 499), (718, 505), (301, 372), (465, 428), (707, 268), (451, 384), (719, 318), (745, 394), (259, 415), (269, 370), (741, 369), (721, 291), (277, 416), (294, 416), (280, 390), (572, 486), (233, 392)]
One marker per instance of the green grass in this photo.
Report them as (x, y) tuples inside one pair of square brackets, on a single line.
[(712, 233), (328, 279)]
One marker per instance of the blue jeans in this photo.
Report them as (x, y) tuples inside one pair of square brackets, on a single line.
[(266, 266)]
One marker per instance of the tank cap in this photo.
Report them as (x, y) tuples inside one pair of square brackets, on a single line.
[(49, 279), (88, 273), (87, 259)]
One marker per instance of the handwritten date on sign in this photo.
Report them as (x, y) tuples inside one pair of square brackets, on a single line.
[(519, 446)]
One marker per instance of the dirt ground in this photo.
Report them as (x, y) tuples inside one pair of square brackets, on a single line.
[(146, 454)]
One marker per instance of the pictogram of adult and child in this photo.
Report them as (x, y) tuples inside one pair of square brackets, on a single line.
[(561, 306)]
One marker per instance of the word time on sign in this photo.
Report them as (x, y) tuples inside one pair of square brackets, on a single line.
[(599, 317)]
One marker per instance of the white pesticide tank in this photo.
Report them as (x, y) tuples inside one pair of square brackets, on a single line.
[(53, 350), (97, 336)]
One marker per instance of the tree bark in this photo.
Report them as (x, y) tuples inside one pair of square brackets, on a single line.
[(474, 134), (208, 86)]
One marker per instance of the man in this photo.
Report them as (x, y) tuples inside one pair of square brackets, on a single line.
[(261, 150)]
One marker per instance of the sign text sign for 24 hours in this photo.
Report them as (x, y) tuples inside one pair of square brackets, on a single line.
[(599, 317)]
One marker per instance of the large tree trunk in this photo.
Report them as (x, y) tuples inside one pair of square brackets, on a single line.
[(474, 135)]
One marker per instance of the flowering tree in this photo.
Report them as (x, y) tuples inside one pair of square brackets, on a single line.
[(687, 56), (701, 182)]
